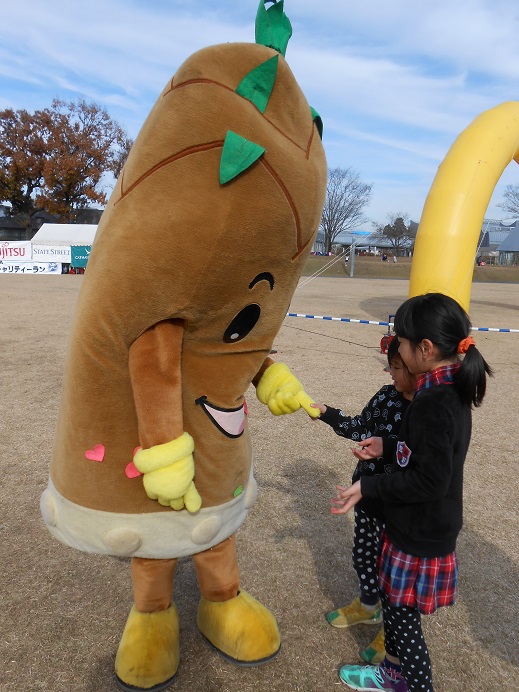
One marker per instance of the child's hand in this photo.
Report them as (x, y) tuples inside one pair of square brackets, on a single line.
[(371, 448), (322, 409), (346, 498)]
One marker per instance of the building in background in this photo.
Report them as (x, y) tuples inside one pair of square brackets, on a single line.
[(508, 250), (493, 234), (22, 227)]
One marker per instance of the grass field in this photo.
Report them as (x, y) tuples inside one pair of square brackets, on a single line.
[(373, 268), (63, 611)]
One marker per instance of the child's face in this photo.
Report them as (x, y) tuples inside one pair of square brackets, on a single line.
[(402, 379), (411, 356)]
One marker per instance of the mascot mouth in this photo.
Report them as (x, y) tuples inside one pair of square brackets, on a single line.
[(229, 421)]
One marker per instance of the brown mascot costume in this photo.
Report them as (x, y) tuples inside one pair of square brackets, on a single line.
[(191, 274)]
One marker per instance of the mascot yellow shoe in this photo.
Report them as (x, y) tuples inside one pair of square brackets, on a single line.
[(241, 630), (148, 654)]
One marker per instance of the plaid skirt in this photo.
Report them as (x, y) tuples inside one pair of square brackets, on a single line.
[(425, 583)]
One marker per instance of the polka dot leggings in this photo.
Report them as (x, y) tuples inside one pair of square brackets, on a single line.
[(366, 545), (405, 640)]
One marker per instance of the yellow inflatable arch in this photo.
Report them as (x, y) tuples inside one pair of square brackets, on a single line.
[(455, 207)]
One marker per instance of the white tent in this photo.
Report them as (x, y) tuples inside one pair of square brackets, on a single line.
[(65, 234), (54, 242)]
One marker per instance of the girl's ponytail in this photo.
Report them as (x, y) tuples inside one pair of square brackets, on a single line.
[(471, 380)]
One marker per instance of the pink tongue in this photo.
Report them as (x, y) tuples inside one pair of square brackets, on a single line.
[(231, 421)]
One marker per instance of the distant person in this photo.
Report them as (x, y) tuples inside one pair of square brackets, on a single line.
[(394, 259), (384, 257), (381, 416), (423, 495)]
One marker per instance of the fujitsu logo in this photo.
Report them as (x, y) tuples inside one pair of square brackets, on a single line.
[(7, 251)]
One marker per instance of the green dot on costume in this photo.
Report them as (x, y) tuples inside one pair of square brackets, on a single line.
[(238, 155), (273, 28), (257, 85), (238, 491), (318, 121)]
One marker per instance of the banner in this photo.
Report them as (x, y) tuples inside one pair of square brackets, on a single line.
[(51, 253), (15, 250), (79, 255), (7, 267)]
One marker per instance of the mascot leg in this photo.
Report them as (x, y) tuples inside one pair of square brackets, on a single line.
[(148, 654), (241, 630)]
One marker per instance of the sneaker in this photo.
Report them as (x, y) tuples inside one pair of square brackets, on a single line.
[(371, 679), (354, 614), (374, 653)]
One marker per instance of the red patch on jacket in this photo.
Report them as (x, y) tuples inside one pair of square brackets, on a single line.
[(403, 454)]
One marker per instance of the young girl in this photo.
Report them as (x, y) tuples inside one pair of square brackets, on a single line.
[(423, 495), (382, 416)]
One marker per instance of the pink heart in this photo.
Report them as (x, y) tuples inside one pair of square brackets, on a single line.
[(132, 471), (96, 454)]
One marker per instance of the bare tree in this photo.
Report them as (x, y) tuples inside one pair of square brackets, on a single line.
[(346, 197), (511, 201), (398, 230)]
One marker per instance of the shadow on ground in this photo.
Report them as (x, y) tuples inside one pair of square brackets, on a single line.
[(492, 611)]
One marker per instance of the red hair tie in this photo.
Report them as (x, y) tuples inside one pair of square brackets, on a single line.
[(464, 344)]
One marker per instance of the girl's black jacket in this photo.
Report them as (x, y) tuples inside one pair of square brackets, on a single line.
[(423, 496)]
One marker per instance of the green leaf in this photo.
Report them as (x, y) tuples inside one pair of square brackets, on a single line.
[(238, 155), (318, 121), (257, 85), (273, 28)]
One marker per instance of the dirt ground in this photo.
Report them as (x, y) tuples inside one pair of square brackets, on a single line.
[(63, 612)]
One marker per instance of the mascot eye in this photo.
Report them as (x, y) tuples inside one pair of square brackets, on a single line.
[(242, 324)]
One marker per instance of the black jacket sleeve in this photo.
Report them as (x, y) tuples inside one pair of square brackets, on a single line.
[(346, 426)]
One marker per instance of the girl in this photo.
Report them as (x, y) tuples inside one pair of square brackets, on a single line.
[(423, 495), (382, 416)]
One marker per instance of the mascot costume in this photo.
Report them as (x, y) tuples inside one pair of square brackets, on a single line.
[(191, 274)]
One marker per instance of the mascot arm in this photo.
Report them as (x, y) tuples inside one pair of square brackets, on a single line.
[(166, 457), (281, 391), (266, 364)]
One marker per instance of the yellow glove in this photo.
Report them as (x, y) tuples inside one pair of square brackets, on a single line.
[(168, 471), (282, 392)]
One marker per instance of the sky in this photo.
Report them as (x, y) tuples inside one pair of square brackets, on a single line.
[(394, 82)]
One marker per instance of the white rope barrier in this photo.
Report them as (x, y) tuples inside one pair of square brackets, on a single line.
[(388, 324)]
